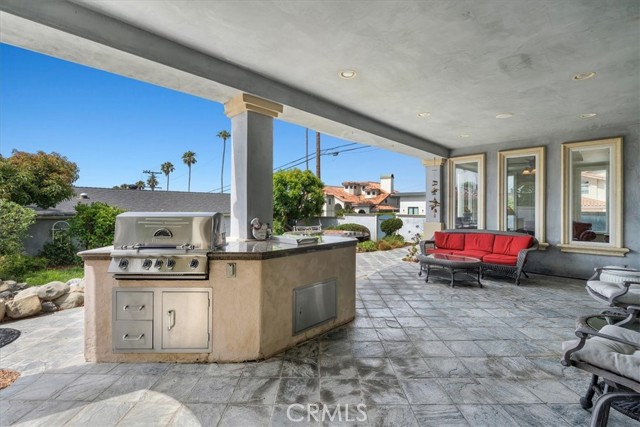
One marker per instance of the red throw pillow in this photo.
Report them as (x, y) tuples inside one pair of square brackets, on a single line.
[(453, 241), (511, 245), (478, 242)]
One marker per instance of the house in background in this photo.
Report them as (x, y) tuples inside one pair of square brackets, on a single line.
[(362, 197), (53, 220), (410, 203)]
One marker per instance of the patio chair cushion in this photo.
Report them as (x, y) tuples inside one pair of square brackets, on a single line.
[(511, 245), (500, 259), (472, 253), (618, 276), (607, 289), (479, 242), (439, 251), (619, 358), (453, 241)]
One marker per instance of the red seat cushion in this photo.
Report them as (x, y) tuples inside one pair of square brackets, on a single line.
[(439, 251), (472, 254), (479, 242), (500, 259), (453, 241), (511, 245)]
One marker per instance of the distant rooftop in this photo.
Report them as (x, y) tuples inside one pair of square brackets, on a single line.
[(142, 201)]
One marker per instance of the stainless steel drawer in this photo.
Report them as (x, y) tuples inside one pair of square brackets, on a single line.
[(132, 334), (132, 305)]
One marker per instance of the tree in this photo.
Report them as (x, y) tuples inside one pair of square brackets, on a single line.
[(391, 225), (15, 220), (167, 168), (189, 158), (152, 182), (224, 135), (94, 224), (140, 185), (39, 179), (296, 195)]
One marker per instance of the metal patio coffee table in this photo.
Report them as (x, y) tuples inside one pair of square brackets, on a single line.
[(453, 263)]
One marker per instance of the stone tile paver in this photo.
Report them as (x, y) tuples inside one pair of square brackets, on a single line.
[(417, 354)]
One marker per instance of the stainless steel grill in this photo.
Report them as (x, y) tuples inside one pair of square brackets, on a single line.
[(165, 245)]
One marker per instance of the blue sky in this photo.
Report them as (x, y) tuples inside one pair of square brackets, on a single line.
[(114, 127)]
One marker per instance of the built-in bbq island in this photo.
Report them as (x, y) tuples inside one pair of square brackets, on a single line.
[(256, 299)]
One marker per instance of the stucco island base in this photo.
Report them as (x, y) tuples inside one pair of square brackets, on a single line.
[(251, 313)]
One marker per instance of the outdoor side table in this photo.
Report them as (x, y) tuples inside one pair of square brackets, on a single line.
[(453, 263)]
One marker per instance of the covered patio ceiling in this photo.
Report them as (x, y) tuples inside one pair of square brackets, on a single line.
[(459, 63)]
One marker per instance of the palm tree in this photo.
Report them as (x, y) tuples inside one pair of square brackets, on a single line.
[(152, 182), (189, 158), (140, 185), (224, 135), (167, 168)]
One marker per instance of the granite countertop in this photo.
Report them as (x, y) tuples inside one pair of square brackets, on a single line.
[(252, 249)]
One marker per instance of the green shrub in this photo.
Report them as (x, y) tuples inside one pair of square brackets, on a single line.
[(18, 266), (394, 238), (94, 224), (391, 225), (15, 220), (61, 252), (367, 246)]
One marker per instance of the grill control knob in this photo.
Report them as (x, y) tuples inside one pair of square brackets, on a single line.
[(158, 264), (194, 263), (123, 264), (171, 263), (146, 264)]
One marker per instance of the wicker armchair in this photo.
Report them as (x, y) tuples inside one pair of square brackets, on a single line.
[(617, 287)]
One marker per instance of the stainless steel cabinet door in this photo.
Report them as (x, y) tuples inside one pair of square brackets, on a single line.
[(185, 320)]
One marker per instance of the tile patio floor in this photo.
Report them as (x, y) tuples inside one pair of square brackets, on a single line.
[(416, 355)]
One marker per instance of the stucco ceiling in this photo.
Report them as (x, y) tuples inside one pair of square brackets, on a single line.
[(464, 62)]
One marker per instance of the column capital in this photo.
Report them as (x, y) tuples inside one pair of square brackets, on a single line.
[(245, 102), (437, 161)]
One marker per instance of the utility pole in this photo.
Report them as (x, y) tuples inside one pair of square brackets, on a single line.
[(152, 178), (306, 137), (318, 154)]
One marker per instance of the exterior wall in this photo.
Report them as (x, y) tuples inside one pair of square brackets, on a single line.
[(411, 225), (413, 201), (552, 261)]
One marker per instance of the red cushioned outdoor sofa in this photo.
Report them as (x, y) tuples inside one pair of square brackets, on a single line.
[(501, 252)]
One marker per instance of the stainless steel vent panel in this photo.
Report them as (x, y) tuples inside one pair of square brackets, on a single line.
[(314, 304)]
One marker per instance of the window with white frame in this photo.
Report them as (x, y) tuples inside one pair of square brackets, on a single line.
[(466, 192)]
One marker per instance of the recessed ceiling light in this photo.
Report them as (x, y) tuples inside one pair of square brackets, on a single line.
[(584, 76), (347, 74), (504, 115), (424, 114), (588, 115), (464, 135)]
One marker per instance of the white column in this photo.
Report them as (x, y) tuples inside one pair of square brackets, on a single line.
[(251, 162)]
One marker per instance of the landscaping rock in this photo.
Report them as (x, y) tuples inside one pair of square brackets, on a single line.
[(24, 307), (49, 307), (76, 286), (3, 309), (75, 281), (20, 286), (4, 287), (27, 292), (10, 283), (52, 290), (6, 295), (71, 300)]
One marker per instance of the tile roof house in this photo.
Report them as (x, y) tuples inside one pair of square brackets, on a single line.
[(54, 218), (362, 196)]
